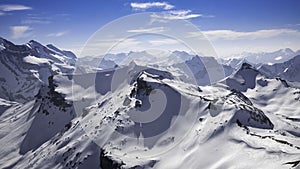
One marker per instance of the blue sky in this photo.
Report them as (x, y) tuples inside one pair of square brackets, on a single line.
[(232, 26)]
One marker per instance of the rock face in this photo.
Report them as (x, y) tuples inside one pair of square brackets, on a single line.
[(247, 114), (52, 114), (243, 79)]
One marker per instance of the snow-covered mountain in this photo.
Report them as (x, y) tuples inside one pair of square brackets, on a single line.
[(235, 63), (24, 68), (196, 69), (192, 68), (278, 56), (289, 70), (137, 116), (92, 64), (162, 58)]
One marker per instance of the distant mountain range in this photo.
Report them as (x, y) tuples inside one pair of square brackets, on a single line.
[(278, 56), (288, 70)]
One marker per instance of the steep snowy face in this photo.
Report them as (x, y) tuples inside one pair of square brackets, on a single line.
[(201, 70), (42, 134), (289, 70), (243, 79), (248, 78), (247, 114), (26, 67), (50, 114), (67, 56)]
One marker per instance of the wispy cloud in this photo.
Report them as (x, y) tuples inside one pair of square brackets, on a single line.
[(57, 34), (8, 8), (159, 42), (36, 20), (148, 30), (176, 15), (20, 31), (100, 46), (236, 35), (169, 13), (147, 5), (227, 42), (180, 12), (208, 16), (42, 18)]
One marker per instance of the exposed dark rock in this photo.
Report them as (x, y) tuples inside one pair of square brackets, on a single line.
[(107, 163)]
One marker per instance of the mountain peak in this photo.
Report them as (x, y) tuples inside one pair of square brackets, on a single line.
[(51, 46), (180, 53), (195, 59), (243, 79), (34, 43), (287, 50), (246, 66), (294, 61), (5, 42), (1, 39)]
